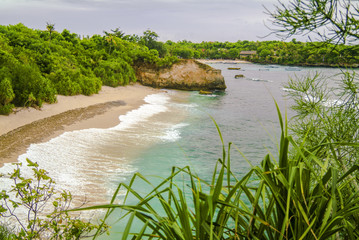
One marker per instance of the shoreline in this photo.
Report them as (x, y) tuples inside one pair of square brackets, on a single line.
[(28, 125), (206, 61), (319, 65)]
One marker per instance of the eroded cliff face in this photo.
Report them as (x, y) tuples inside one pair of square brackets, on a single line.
[(184, 75)]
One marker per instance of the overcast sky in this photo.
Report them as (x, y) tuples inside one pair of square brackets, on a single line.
[(193, 20)]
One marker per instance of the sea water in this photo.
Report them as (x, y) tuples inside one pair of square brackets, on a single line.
[(173, 128)]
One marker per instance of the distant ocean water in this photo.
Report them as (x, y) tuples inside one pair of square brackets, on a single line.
[(173, 128)]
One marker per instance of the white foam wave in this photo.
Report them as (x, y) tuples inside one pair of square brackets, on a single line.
[(173, 133), (186, 106), (324, 102), (90, 163), (259, 80), (208, 95), (312, 99), (79, 159), (155, 104)]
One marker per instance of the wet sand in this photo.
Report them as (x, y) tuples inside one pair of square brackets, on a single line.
[(29, 125)]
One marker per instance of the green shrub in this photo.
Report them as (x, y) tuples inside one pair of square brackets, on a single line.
[(115, 72), (185, 53), (73, 82), (44, 207), (90, 85), (326, 113), (6, 234), (167, 61), (6, 91), (6, 109), (68, 88), (30, 87)]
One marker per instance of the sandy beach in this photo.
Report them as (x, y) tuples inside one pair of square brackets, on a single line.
[(30, 125)]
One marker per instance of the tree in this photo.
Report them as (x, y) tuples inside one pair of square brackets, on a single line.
[(118, 33), (50, 28), (264, 53), (330, 20), (149, 39), (73, 38), (182, 52), (149, 36), (110, 39), (6, 92)]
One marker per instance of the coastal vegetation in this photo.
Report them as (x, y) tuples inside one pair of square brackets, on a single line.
[(38, 64), (271, 52), (330, 25), (35, 65)]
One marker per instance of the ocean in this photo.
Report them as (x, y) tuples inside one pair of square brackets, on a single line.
[(173, 128)]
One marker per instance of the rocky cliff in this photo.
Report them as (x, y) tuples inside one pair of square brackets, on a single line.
[(183, 75)]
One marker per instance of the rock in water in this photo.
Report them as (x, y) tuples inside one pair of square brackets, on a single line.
[(202, 92), (239, 76), (183, 75)]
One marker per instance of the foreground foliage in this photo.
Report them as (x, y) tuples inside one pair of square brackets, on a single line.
[(39, 210), (330, 20), (284, 198), (327, 113)]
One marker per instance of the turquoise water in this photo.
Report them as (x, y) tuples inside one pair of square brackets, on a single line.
[(173, 128)]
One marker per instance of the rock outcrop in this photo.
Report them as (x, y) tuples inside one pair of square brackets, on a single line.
[(183, 75)]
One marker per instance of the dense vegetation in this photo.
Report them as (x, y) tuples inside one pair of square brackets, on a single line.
[(273, 52), (36, 65)]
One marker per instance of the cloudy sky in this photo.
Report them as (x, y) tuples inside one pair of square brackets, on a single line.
[(193, 20)]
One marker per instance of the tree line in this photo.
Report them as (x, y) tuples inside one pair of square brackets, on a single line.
[(271, 52)]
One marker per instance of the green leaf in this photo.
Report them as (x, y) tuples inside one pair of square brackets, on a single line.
[(31, 164)]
